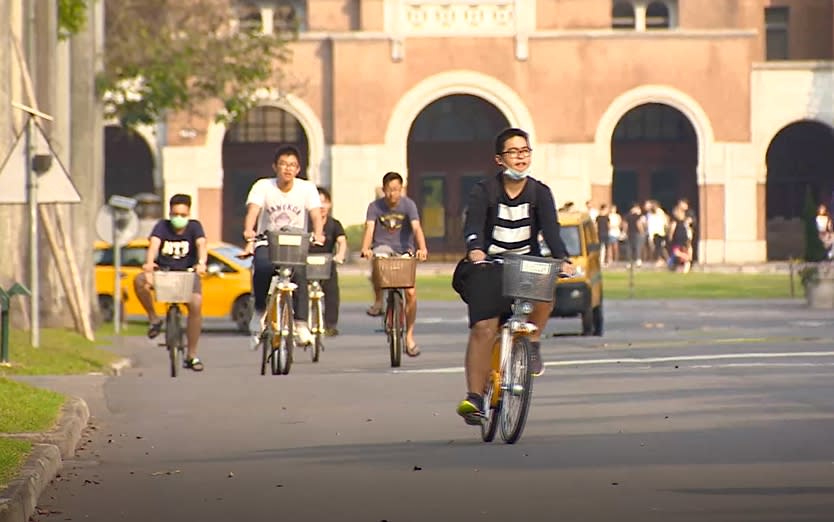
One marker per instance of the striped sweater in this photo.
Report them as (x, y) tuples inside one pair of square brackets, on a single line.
[(512, 225)]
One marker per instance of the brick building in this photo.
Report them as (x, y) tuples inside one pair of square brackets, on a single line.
[(729, 103)]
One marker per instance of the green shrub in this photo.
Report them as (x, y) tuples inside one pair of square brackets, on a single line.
[(354, 236)]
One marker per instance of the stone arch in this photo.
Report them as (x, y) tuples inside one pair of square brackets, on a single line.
[(652, 94), (318, 170), (447, 83)]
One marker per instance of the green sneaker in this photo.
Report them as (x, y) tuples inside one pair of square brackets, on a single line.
[(470, 411)]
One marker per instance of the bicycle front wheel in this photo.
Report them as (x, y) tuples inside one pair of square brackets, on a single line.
[(316, 329), (282, 357), (517, 391), (173, 337), (397, 332)]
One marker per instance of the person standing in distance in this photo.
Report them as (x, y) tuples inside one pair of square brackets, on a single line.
[(282, 202)]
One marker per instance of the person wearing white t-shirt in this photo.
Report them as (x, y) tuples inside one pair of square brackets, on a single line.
[(273, 204)]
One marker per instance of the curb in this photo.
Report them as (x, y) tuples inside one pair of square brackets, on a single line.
[(19, 499), (67, 433)]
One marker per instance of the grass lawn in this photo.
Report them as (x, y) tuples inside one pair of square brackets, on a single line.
[(25, 408), (12, 455), (61, 352), (647, 285)]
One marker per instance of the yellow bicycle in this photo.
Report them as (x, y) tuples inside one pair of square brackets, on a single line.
[(509, 388)]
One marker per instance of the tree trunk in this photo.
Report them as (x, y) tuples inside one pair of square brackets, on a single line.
[(86, 146), (13, 242)]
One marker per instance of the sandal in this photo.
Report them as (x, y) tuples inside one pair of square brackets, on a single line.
[(374, 311), (412, 351), (194, 364), (154, 329)]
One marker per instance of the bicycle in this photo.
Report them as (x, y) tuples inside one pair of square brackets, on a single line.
[(287, 249), (509, 387), (395, 274), (174, 288), (318, 270)]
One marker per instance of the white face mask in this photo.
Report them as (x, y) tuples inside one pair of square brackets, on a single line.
[(516, 175)]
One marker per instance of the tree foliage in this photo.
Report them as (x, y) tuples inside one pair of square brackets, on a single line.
[(174, 55), (72, 15)]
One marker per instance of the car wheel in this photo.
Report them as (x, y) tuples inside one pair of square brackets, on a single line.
[(597, 320), (105, 307), (242, 312)]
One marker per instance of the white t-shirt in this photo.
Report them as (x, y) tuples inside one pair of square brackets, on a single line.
[(283, 209)]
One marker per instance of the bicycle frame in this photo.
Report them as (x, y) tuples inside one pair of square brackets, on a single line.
[(517, 325), (282, 283), (315, 295)]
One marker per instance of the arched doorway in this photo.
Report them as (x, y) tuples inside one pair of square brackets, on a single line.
[(248, 147), (128, 163), (450, 148), (654, 152), (800, 172)]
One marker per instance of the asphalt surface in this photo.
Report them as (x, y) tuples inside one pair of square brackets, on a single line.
[(682, 411)]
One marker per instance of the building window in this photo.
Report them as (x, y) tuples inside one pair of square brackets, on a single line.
[(776, 33), (269, 17), (658, 16), (653, 122), (266, 125), (622, 16)]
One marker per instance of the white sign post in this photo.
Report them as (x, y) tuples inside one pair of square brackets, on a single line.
[(29, 175)]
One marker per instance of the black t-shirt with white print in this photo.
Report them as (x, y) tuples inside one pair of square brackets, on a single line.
[(177, 251)]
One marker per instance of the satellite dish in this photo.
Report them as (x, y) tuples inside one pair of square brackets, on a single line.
[(127, 225)]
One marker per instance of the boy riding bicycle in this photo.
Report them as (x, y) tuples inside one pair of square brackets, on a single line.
[(177, 243), (506, 213), (273, 204)]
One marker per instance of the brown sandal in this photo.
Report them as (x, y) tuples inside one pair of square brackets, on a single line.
[(374, 311), (412, 351)]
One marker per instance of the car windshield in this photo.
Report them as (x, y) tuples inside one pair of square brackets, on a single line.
[(570, 236), (230, 251)]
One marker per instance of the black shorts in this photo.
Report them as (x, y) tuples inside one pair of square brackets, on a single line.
[(479, 285)]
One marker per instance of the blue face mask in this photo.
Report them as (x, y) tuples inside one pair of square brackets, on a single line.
[(516, 175), (179, 222)]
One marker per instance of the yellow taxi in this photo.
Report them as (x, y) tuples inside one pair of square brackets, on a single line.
[(581, 295), (227, 285)]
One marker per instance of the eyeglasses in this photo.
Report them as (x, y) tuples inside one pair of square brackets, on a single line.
[(282, 165), (518, 153)]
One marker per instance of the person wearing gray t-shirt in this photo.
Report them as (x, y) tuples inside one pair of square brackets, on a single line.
[(392, 226)]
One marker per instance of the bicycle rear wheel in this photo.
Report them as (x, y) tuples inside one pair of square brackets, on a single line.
[(397, 331), (517, 391), (266, 349), (173, 337)]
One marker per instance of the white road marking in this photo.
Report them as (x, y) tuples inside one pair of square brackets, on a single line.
[(646, 360)]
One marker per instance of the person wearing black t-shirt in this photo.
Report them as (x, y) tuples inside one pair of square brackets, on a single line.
[(334, 237), (176, 244)]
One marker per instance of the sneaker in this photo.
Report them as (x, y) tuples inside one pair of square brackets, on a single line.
[(256, 326), (536, 365), (302, 333), (471, 409), (331, 332)]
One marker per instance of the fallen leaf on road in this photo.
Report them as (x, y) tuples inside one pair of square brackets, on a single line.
[(169, 472), (417, 468), (615, 483), (231, 475)]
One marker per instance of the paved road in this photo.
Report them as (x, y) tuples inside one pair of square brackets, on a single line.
[(684, 411)]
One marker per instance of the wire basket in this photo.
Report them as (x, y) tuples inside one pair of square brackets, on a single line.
[(319, 266), (288, 248), (395, 272), (529, 277), (173, 287)]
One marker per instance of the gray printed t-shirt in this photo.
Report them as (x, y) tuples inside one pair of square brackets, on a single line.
[(392, 226)]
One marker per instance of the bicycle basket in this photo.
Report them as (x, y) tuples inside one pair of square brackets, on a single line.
[(395, 272), (318, 266), (173, 287), (529, 277), (288, 248)]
